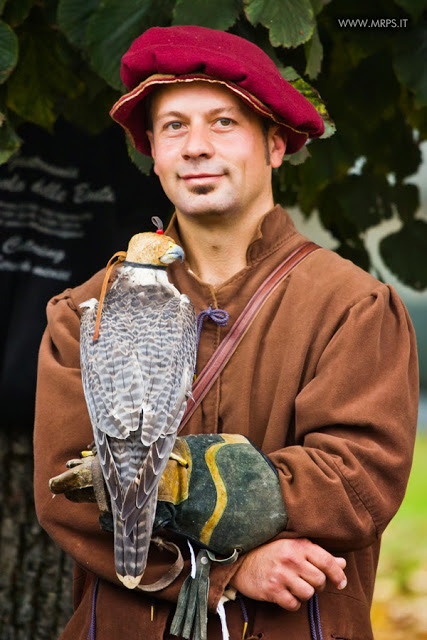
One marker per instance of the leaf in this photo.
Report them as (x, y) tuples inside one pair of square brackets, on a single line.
[(89, 111), (410, 55), (372, 121), (221, 14), (370, 109), (355, 204), (8, 51), (290, 22), (346, 54), (318, 5), (112, 28), (415, 8), (43, 77), (356, 252), (16, 11), (406, 197), (312, 96), (314, 55), (289, 74), (384, 148), (285, 185), (9, 140), (143, 162), (404, 253), (418, 120), (365, 199), (329, 161), (73, 16), (299, 157), (259, 36)]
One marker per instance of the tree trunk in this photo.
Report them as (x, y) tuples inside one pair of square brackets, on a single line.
[(35, 575)]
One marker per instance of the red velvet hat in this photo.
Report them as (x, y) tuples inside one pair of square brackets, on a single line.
[(164, 55)]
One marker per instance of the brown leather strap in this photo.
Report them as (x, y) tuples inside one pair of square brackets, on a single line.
[(172, 573), (230, 343)]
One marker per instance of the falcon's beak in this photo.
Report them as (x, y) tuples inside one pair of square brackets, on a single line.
[(173, 253)]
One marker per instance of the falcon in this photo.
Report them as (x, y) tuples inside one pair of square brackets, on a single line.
[(138, 352)]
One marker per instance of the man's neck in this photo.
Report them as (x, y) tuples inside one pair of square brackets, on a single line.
[(216, 247)]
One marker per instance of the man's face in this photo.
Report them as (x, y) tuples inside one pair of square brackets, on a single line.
[(210, 151)]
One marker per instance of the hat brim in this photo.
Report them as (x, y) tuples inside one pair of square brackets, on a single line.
[(130, 113)]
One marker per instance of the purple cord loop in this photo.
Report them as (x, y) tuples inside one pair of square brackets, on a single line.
[(314, 617), (219, 316), (92, 629)]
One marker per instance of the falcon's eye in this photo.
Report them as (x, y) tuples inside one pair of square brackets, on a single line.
[(171, 245)]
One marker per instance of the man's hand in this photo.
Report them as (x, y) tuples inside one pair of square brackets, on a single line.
[(288, 572)]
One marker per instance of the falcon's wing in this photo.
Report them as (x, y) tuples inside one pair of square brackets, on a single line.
[(171, 360), (136, 378)]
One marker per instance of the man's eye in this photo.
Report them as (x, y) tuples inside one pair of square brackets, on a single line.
[(175, 126), (225, 122)]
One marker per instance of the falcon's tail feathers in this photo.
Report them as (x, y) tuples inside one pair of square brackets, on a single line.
[(131, 552)]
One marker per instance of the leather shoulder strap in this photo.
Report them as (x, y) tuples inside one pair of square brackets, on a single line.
[(230, 343)]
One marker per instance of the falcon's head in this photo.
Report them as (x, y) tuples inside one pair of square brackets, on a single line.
[(152, 248)]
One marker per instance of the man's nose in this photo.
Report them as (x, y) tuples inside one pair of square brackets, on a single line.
[(197, 143)]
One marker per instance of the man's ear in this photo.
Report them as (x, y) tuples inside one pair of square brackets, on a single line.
[(277, 145)]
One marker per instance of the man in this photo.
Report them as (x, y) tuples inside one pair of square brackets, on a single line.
[(325, 381)]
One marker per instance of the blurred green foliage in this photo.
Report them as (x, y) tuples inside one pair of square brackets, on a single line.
[(415, 504), (62, 58)]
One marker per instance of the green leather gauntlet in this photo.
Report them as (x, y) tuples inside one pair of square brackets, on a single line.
[(227, 497)]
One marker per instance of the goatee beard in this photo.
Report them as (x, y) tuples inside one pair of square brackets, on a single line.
[(202, 189)]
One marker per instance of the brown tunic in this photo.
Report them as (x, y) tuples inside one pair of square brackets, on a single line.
[(325, 382)]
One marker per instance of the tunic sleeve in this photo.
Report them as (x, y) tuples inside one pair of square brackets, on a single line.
[(355, 425), (62, 430)]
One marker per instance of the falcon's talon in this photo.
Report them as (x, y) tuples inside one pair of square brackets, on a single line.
[(75, 462)]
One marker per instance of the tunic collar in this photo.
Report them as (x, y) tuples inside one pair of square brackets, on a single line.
[(274, 229)]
